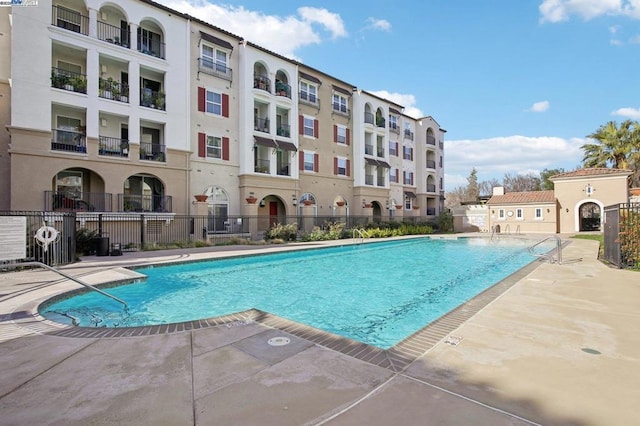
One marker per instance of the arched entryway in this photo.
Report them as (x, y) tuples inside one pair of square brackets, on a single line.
[(589, 217), (377, 211), (78, 189)]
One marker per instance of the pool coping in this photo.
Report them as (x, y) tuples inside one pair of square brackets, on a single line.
[(397, 358)]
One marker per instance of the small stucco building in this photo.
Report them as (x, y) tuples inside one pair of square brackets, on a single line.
[(576, 204)]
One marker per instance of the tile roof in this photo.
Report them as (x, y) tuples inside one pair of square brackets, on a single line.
[(523, 197), (595, 171)]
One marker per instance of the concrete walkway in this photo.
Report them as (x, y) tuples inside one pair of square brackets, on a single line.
[(560, 347)]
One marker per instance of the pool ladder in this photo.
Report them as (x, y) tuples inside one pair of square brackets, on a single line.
[(359, 235), (548, 256)]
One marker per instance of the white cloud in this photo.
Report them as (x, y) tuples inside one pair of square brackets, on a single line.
[(632, 113), (493, 157), (283, 35), (378, 24), (635, 39), (561, 10), (541, 106), (406, 100)]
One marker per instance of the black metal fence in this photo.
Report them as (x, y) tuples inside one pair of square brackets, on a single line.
[(622, 235)]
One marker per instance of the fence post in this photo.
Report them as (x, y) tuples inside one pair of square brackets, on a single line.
[(142, 240)]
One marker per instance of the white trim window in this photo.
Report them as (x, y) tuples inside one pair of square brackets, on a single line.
[(308, 92), (309, 161), (393, 122), (213, 103), (538, 213), (342, 166), (309, 126), (519, 214), (341, 134), (214, 147), (501, 214), (393, 176), (340, 103)]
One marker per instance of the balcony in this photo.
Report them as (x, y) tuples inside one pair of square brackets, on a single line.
[(431, 187), (341, 109), (408, 134), (152, 152), (113, 147), (284, 130), (431, 140), (111, 89), (112, 34), (152, 99), (68, 141), (368, 117), (77, 202), (368, 149), (283, 89), (393, 128), (262, 83), (71, 20), (309, 99), (431, 164), (368, 180), (152, 48), (381, 122), (262, 166), (284, 169), (67, 80), (144, 203), (261, 125), (380, 152), (207, 66)]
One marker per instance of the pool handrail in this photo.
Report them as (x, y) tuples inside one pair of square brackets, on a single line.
[(362, 234), (548, 256)]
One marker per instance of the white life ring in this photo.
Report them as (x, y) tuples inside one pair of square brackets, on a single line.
[(45, 236)]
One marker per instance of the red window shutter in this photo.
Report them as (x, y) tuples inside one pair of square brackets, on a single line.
[(301, 160), (397, 175), (225, 105), (315, 163), (411, 178), (411, 160), (348, 164), (335, 133), (335, 165), (202, 95), (300, 125), (348, 137), (225, 148), (315, 128), (202, 145), (397, 149)]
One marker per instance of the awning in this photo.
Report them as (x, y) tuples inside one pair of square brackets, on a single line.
[(409, 194), (265, 142), (309, 77), (395, 111), (341, 90), (288, 146), (216, 40), (372, 162), (384, 164)]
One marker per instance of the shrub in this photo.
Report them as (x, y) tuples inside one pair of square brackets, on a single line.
[(282, 232), (331, 231), (85, 241)]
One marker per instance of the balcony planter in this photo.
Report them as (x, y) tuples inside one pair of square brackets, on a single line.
[(416, 207), (251, 199), (307, 202), (201, 197), (399, 206), (368, 205), (340, 203)]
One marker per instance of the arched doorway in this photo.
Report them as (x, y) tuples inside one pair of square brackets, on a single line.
[(78, 189), (377, 211), (144, 193), (218, 209), (589, 217)]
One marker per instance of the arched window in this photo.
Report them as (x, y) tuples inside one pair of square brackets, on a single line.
[(145, 193), (218, 202)]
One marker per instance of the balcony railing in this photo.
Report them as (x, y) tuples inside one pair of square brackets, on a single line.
[(284, 130), (309, 99), (431, 164), (408, 134), (77, 201), (68, 80), (207, 66), (368, 180), (380, 122), (261, 124), (113, 147), (393, 128), (283, 89), (341, 109), (284, 170), (144, 203), (262, 166), (380, 152), (431, 211), (431, 187), (152, 48), (152, 152), (368, 117), (368, 149), (152, 99), (262, 83), (431, 140), (71, 20), (112, 34), (111, 89), (68, 140)]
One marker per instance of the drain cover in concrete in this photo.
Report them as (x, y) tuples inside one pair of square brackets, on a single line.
[(278, 341)]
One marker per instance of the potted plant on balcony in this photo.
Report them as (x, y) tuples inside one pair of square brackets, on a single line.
[(159, 102), (251, 199), (79, 84)]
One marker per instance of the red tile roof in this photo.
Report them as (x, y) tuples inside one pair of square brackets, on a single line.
[(523, 197), (595, 171)]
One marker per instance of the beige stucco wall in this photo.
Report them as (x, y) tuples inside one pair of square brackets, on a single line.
[(571, 194), (528, 224), (471, 218), (5, 161)]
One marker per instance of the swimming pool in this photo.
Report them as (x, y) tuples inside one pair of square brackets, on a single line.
[(377, 293)]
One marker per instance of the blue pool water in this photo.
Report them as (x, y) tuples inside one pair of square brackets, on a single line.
[(377, 293)]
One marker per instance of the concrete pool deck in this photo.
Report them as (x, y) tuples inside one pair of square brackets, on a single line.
[(560, 346)]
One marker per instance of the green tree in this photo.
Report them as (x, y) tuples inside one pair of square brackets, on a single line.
[(473, 190), (612, 145), (545, 183)]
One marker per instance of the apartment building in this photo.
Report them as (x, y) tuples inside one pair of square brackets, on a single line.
[(97, 107), (136, 107)]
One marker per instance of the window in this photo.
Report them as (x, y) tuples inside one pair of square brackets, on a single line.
[(218, 218), (309, 126), (309, 161), (407, 178), (308, 92), (407, 203), (393, 175), (340, 103), (342, 167), (408, 153), (221, 61), (207, 56), (538, 213), (501, 214), (341, 134), (214, 147), (393, 122), (519, 214), (68, 19), (69, 184), (214, 103), (393, 148)]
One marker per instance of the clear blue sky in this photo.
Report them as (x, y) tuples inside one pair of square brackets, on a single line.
[(517, 84)]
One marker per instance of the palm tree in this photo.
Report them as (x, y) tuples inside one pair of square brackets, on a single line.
[(613, 146)]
